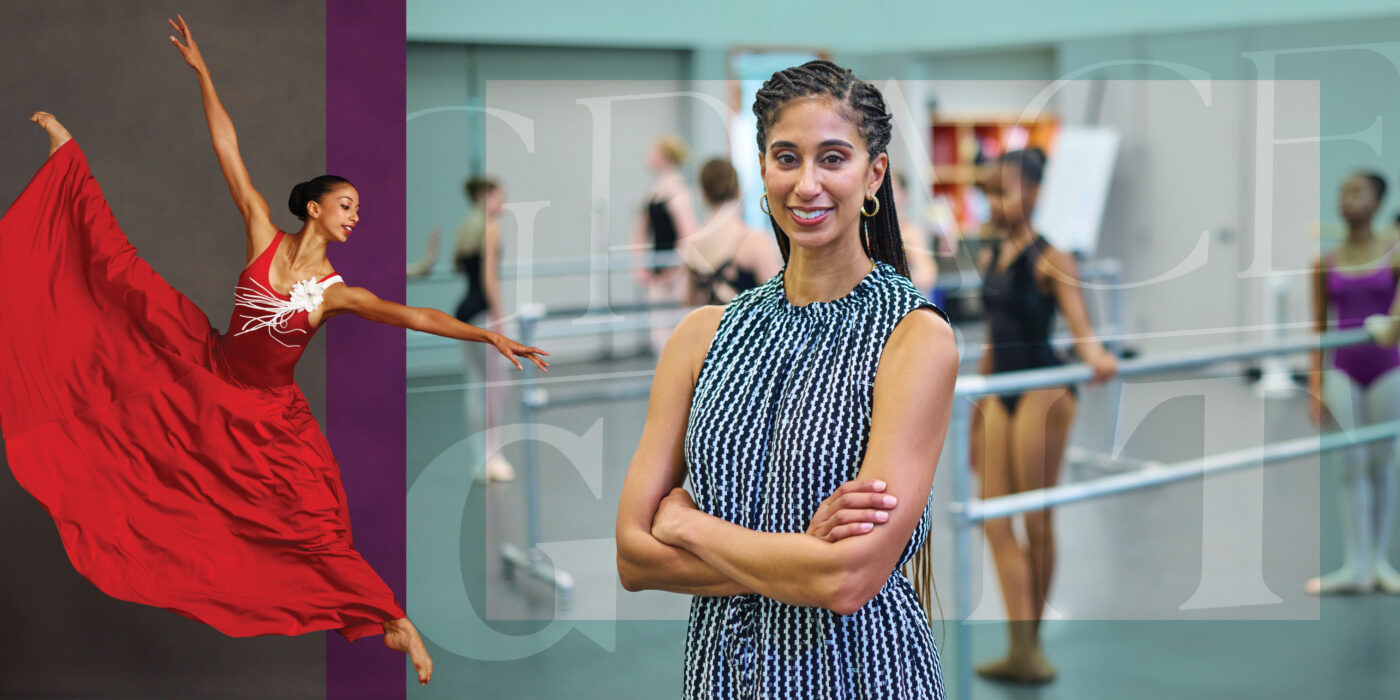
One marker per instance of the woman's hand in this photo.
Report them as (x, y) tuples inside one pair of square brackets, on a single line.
[(1382, 329), (189, 50), (512, 349), (1104, 364), (670, 517), (855, 508)]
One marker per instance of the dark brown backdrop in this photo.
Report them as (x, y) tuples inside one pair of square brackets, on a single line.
[(106, 69)]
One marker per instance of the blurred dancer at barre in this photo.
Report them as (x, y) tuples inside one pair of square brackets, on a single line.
[(1355, 281), (666, 218), (725, 256), (1018, 440), (477, 252)]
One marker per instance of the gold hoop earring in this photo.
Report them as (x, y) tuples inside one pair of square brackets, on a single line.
[(877, 207), (763, 204)]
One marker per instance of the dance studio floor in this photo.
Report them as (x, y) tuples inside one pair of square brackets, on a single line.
[(1182, 591)]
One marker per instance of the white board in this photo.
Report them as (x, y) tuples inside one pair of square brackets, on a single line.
[(1075, 187)]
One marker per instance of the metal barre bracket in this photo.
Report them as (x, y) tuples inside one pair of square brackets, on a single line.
[(537, 566)]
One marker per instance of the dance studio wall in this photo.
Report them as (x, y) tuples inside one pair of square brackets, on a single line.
[(1190, 165), (546, 159), (1194, 197), (898, 25), (108, 71)]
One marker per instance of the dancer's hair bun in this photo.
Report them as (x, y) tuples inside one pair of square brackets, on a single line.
[(311, 191), (296, 202)]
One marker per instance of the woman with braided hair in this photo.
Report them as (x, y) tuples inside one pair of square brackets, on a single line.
[(808, 415)]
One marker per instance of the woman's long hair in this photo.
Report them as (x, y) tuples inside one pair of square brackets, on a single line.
[(880, 233)]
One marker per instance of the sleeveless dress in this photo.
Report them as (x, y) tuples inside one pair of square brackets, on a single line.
[(1354, 297), (780, 418), (182, 467)]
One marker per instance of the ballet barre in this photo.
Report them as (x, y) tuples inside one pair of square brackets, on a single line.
[(616, 261), (530, 559), (1102, 276), (1164, 474), (963, 281), (540, 399), (967, 511), (601, 304)]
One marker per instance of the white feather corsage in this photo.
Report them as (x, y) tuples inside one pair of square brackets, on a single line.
[(306, 295)]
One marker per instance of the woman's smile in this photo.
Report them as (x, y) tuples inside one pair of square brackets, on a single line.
[(809, 216)]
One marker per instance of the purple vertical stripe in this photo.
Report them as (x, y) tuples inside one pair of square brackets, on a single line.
[(365, 385)]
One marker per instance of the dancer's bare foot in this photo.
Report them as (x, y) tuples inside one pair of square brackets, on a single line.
[(1032, 668), (497, 471), (401, 635), (1343, 581), (57, 134), (1387, 578)]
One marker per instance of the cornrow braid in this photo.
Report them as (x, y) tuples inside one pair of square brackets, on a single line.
[(871, 119)]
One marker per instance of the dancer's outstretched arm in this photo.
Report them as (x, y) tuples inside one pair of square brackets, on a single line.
[(341, 298), (257, 219)]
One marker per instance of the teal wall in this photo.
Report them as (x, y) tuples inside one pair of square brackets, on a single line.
[(1346, 47), (840, 26)]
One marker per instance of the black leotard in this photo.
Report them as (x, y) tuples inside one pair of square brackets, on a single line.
[(1019, 315), (475, 300), (663, 229), (739, 279)]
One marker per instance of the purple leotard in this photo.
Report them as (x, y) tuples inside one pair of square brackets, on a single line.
[(1354, 297)]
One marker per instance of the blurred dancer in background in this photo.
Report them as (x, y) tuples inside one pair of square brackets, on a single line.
[(725, 256), (666, 219), (1018, 440), (1355, 281), (477, 254)]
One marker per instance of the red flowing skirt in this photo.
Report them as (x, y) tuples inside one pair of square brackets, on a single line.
[(172, 483)]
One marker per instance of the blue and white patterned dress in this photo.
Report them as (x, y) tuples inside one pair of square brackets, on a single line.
[(780, 419)]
